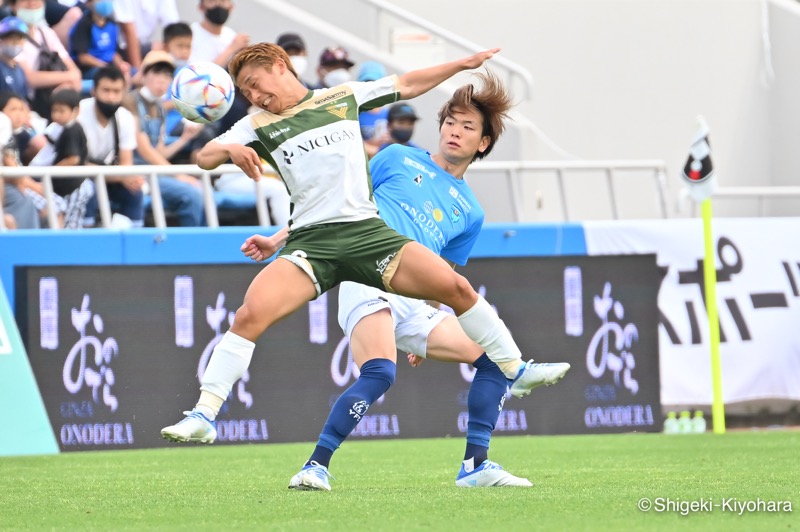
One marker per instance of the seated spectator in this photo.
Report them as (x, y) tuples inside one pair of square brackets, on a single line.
[(181, 193), (295, 48), (18, 209), (45, 61), (401, 120), (62, 17), (13, 34), (67, 147), (94, 40), (273, 191), (141, 18), (213, 41), (374, 121), (111, 137), (190, 137), (334, 67)]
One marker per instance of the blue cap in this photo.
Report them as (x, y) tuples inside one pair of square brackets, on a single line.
[(11, 25), (370, 71)]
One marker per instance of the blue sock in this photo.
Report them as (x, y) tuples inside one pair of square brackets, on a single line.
[(484, 402), (377, 376)]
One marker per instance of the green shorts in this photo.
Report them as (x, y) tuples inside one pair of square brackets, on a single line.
[(366, 252)]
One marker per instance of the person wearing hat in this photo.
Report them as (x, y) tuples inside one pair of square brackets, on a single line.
[(12, 40), (295, 48), (93, 41), (334, 67), (400, 122), (182, 194)]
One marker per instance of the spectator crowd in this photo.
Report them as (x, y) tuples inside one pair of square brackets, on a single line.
[(86, 82)]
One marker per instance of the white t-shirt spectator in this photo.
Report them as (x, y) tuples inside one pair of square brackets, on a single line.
[(147, 15), (206, 46), (99, 139)]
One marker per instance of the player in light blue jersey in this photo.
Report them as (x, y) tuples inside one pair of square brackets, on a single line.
[(425, 197)]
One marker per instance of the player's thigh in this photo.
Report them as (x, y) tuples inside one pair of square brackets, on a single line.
[(373, 337), (424, 275), (278, 290), (447, 342)]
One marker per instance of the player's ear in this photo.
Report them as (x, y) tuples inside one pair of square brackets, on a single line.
[(279, 65)]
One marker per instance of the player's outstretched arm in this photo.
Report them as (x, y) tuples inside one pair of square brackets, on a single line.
[(417, 82), (215, 153)]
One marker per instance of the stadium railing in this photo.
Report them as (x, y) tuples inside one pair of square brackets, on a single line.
[(514, 172), (99, 173)]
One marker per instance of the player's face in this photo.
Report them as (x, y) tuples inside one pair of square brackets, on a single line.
[(262, 87), (460, 136)]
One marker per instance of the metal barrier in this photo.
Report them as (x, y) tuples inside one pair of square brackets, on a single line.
[(759, 193), (513, 170), (99, 174)]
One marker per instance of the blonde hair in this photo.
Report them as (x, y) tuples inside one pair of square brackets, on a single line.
[(492, 102), (261, 54)]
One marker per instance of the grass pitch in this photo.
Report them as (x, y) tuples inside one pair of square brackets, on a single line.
[(580, 482)]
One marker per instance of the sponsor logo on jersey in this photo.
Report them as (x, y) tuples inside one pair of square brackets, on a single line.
[(279, 132), (340, 110), (383, 264), (460, 199), (418, 180), (455, 213), (310, 145), (419, 166), (330, 97)]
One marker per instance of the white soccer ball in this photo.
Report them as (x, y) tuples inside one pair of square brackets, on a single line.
[(202, 92)]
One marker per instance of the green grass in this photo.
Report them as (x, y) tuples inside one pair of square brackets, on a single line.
[(580, 482)]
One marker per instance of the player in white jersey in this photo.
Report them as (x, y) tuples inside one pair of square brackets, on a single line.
[(425, 197), (313, 140)]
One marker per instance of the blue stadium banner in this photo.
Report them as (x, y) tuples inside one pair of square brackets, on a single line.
[(118, 352)]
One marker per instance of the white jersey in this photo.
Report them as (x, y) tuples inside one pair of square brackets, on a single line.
[(317, 149)]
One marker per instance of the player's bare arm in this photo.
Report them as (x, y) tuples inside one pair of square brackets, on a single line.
[(417, 82), (214, 154), (260, 247)]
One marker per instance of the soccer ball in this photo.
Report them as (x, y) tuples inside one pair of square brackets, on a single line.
[(202, 92)]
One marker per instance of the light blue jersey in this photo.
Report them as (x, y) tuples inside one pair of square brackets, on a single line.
[(420, 200)]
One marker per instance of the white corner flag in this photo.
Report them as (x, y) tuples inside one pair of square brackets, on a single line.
[(698, 171)]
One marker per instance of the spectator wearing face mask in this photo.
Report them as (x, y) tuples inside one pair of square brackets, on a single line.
[(295, 48), (334, 67), (401, 121), (12, 39), (212, 40)]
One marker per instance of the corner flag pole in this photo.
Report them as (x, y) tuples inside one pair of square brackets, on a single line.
[(699, 173), (710, 276)]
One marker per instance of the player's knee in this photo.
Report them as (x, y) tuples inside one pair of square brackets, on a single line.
[(381, 369), (460, 294)]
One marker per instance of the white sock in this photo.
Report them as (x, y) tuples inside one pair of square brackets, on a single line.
[(228, 362), (484, 327)]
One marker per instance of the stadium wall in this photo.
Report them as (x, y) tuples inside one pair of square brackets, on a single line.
[(116, 323)]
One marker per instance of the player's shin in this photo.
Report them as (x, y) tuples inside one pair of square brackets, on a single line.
[(377, 375), (484, 402), (228, 363), (484, 327)]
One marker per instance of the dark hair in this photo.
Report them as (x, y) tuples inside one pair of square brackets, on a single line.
[(66, 97), (175, 30), (7, 96), (107, 72), (492, 102)]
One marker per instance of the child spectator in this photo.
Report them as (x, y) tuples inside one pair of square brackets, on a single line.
[(67, 143), (94, 40), (190, 137), (13, 34)]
